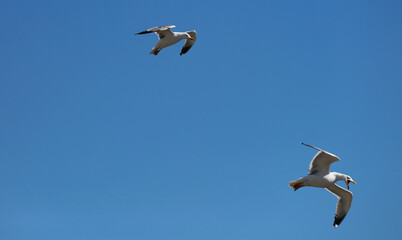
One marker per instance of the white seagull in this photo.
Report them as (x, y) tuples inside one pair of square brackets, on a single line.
[(319, 176), (168, 38)]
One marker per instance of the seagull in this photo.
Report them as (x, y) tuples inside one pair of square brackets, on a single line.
[(319, 176), (168, 38)]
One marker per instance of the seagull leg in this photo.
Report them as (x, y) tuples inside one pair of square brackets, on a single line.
[(297, 186), (155, 51)]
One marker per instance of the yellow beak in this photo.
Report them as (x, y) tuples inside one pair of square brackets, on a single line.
[(349, 181)]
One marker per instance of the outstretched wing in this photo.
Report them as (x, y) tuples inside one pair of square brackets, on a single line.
[(321, 162), (345, 198), (189, 43), (161, 31)]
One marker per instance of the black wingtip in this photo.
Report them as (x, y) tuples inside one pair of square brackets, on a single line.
[(143, 32), (184, 50), (338, 220)]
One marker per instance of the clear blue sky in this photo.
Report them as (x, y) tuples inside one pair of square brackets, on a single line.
[(100, 140)]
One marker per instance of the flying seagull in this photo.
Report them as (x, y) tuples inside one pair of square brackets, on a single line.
[(319, 176), (167, 38)]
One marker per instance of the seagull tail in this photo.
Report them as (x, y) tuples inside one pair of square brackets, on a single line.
[(296, 184), (292, 183)]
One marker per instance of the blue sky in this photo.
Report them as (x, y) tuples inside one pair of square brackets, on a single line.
[(100, 140)]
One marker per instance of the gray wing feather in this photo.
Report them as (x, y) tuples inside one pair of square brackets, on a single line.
[(161, 31), (321, 162), (189, 43), (344, 203)]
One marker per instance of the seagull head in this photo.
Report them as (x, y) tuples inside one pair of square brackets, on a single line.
[(188, 36), (348, 180)]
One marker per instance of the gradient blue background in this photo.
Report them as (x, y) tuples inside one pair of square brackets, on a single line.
[(99, 140)]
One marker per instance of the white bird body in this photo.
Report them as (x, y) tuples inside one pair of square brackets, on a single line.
[(319, 176), (168, 38), (321, 180)]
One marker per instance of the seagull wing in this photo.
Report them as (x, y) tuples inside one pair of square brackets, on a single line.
[(161, 31), (189, 43), (321, 162), (344, 202)]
